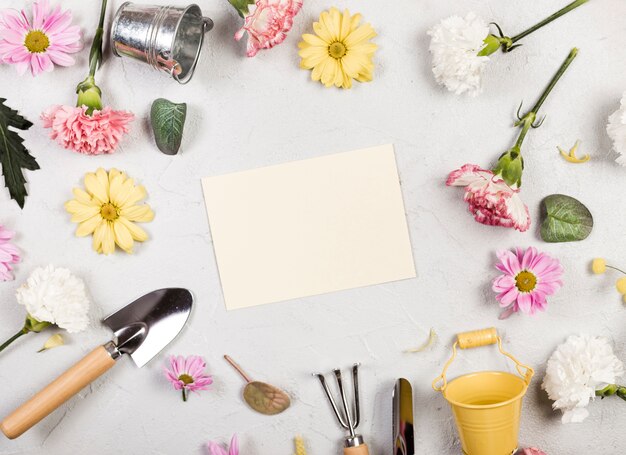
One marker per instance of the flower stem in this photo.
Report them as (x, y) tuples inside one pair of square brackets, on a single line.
[(184, 394), (95, 54), (549, 19), (612, 389), (12, 339), (615, 268), (568, 61)]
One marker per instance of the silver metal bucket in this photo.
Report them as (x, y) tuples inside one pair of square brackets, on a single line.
[(166, 37)]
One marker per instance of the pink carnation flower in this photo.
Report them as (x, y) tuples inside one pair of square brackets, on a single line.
[(188, 374), (532, 451), (268, 24), (40, 43), (528, 277), (216, 449), (490, 199), (93, 134), (9, 254)]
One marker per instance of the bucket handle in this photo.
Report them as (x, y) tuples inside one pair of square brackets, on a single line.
[(207, 24), (475, 339)]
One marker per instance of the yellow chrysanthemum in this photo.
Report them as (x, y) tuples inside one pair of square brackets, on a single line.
[(108, 211), (340, 50)]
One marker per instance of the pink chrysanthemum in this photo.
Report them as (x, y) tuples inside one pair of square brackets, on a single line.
[(40, 43), (9, 254), (268, 24), (490, 199), (528, 278), (216, 449), (188, 374), (95, 134)]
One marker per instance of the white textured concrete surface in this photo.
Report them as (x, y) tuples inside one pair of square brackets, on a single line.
[(245, 113)]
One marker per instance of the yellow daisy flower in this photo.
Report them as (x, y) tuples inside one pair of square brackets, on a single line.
[(108, 210), (340, 50)]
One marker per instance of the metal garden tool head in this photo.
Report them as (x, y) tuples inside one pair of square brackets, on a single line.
[(351, 416), (141, 329)]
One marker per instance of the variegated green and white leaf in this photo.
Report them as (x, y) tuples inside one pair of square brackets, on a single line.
[(168, 122), (564, 219)]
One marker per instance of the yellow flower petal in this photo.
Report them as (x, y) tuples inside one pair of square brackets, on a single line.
[(328, 76), (122, 236), (598, 266), (328, 22), (83, 214), (363, 33), (117, 189), (88, 226), (95, 188), (138, 234), (54, 341), (316, 74), (108, 239), (346, 25), (314, 40), (103, 178), (322, 32), (135, 195), (139, 213), (84, 197), (98, 236)]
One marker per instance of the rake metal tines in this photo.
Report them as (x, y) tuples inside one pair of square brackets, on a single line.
[(350, 417)]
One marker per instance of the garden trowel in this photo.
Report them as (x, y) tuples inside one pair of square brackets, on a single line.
[(141, 330)]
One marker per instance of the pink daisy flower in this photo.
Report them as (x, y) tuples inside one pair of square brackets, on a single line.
[(528, 278), (188, 374), (75, 129), (40, 43), (9, 254), (216, 449)]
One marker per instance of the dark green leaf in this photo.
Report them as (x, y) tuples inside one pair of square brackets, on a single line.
[(564, 219), (13, 155), (242, 6), (168, 122)]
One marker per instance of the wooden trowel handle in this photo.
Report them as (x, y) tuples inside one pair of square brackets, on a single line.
[(57, 392), (358, 450)]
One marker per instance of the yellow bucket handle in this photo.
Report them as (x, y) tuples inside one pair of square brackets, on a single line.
[(475, 339)]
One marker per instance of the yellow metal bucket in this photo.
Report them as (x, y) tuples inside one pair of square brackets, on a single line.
[(487, 404)]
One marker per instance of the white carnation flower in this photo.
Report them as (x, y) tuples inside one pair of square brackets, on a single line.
[(617, 131), (455, 44), (56, 296), (579, 367)]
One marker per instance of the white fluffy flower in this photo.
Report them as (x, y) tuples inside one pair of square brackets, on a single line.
[(455, 44), (55, 295), (579, 367), (617, 131)]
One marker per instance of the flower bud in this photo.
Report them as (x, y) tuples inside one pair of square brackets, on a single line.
[(492, 44), (510, 167), (89, 94), (598, 266), (33, 325)]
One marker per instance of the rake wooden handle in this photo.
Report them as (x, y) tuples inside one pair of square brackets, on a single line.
[(57, 392), (358, 450)]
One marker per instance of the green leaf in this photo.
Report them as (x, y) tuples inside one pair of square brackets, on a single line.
[(564, 219), (168, 122), (242, 6), (265, 398), (13, 155)]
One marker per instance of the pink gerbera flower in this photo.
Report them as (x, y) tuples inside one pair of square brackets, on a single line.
[(9, 254), (75, 129), (40, 43), (188, 374), (528, 278), (216, 449), (268, 24)]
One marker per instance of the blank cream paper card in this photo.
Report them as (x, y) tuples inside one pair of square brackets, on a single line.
[(309, 227)]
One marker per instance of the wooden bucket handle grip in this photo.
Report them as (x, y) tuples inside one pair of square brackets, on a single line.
[(358, 450)]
